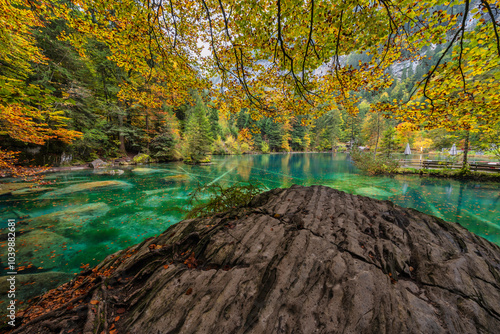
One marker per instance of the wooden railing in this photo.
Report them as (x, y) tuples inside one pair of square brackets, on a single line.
[(485, 166), (433, 164)]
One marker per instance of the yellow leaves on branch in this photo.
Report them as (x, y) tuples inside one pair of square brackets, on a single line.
[(406, 127), (159, 61), (274, 65), (17, 45)]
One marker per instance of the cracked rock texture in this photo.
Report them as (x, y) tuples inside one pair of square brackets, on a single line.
[(299, 260)]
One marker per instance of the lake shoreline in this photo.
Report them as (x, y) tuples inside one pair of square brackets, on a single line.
[(208, 272), (76, 218), (455, 174)]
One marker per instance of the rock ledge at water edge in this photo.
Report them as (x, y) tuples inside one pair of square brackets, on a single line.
[(297, 260)]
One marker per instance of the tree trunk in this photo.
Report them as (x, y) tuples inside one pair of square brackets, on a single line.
[(121, 136), (147, 129), (352, 133), (378, 134), (466, 149)]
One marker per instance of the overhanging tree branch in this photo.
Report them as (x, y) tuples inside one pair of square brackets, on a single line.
[(428, 77), (309, 42), (493, 22)]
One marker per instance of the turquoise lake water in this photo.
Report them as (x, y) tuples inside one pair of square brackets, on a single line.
[(74, 224)]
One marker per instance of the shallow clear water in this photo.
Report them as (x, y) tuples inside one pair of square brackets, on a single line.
[(87, 225)]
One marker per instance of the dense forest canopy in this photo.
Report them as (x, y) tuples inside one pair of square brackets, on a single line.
[(98, 78)]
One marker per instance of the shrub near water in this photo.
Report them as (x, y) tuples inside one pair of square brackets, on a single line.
[(141, 158), (221, 198), (264, 147), (380, 164)]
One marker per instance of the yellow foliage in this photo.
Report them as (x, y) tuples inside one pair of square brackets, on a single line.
[(423, 143)]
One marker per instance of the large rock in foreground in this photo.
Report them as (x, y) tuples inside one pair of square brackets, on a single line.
[(299, 260)]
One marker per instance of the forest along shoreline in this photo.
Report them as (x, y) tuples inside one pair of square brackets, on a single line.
[(379, 169)]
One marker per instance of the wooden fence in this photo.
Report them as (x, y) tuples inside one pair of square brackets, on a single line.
[(433, 164)]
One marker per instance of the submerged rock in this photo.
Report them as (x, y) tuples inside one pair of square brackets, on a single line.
[(32, 285), (9, 188), (144, 170), (111, 172), (373, 192), (159, 191), (176, 177), (298, 260), (28, 191), (40, 249), (69, 219), (87, 186)]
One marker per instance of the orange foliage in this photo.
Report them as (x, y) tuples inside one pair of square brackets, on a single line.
[(191, 261), (26, 112)]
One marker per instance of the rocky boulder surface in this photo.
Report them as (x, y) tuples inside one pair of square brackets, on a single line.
[(297, 260), (98, 163)]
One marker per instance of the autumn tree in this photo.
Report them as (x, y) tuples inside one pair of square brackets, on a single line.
[(406, 133), (288, 57), (245, 140), (29, 113), (276, 59), (373, 127)]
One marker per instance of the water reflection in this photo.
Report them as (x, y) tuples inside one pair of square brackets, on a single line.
[(122, 216), (449, 190), (405, 188), (245, 169)]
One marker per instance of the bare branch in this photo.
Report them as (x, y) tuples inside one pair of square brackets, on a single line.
[(175, 23), (429, 76), (493, 21), (391, 25), (219, 64), (462, 47), (297, 82), (309, 41), (337, 62), (240, 65)]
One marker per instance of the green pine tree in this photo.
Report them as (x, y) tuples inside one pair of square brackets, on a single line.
[(198, 133), (389, 142)]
